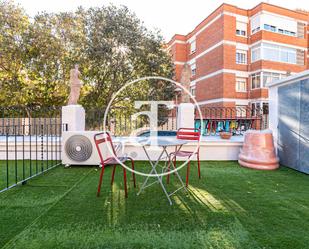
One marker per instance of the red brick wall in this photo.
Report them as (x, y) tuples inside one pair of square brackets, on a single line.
[(223, 57), (210, 62), (210, 88)]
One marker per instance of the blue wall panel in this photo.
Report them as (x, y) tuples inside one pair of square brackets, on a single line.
[(304, 127), (288, 143)]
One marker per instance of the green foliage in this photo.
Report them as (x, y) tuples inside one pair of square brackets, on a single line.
[(13, 26), (109, 43)]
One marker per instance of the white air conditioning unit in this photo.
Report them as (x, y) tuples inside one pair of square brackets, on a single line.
[(78, 148)]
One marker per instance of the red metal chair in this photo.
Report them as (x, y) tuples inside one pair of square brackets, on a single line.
[(186, 134), (104, 137)]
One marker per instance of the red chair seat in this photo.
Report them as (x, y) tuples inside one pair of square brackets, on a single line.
[(112, 161), (183, 153)]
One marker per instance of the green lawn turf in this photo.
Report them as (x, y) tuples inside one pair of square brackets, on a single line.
[(230, 207), (14, 171)]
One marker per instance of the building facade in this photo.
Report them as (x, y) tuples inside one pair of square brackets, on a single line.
[(235, 52)]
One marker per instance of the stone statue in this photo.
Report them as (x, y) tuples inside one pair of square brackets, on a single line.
[(75, 84), (185, 81)]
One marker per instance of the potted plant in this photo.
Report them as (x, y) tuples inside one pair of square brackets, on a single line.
[(225, 134)]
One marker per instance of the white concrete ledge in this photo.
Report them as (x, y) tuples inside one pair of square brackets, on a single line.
[(211, 148)]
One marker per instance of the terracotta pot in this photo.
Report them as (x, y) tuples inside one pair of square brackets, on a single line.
[(225, 135), (258, 151)]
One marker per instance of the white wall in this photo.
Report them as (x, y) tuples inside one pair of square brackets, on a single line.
[(209, 150)]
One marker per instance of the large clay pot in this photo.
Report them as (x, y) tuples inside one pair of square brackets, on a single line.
[(258, 151)]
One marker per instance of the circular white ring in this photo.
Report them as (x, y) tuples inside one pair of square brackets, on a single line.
[(149, 78)]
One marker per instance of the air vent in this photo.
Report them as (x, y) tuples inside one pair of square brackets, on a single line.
[(78, 148)]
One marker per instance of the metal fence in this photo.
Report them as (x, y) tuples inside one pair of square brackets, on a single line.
[(30, 143), (231, 119), (30, 138), (121, 122), (237, 120)]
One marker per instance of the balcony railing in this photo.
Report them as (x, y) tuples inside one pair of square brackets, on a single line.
[(232, 119)]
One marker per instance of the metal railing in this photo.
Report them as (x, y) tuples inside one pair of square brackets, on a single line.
[(120, 122), (30, 143), (215, 119), (231, 119)]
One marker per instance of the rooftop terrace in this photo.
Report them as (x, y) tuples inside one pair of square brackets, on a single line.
[(230, 207)]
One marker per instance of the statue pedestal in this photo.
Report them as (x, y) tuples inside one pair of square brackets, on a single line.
[(185, 115), (73, 118)]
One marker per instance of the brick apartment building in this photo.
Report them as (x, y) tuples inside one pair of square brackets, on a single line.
[(235, 52)]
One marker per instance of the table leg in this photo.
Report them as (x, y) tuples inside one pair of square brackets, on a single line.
[(154, 165)]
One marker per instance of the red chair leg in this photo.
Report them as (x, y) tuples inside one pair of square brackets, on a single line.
[(113, 174), (168, 170), (133, 174), (125, 182), (100, 181), (188, 172), (198, 165)]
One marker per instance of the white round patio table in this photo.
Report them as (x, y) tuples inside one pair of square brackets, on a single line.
[(161, 144)]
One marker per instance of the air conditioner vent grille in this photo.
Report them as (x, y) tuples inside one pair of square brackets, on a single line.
[(78, 148)]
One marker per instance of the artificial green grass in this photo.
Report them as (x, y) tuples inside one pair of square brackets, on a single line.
[(230, 207), (14, 171)]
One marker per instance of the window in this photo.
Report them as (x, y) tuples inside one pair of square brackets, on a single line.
[(255, 24), (270, 27), (241, 57), (286, 32), (240, 32), (241, 110), (265, 108), (258, 108), (270, 77), (241, 85), (193, 47), (241, 29), (193, 69), (192, 90), (274, 23), (255, 53), (279, 53), (255, 80), (271, 52), (261, 79), (255, 30), (255, 108)]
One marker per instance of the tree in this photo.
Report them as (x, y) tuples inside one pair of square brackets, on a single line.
[(109, 43), (13, 25), (51, 43), (120, 49)]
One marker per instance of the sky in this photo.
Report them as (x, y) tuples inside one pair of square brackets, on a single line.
[(169, 16)]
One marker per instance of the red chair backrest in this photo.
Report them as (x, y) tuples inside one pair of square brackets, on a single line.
[(188, 134), (101, 138)]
